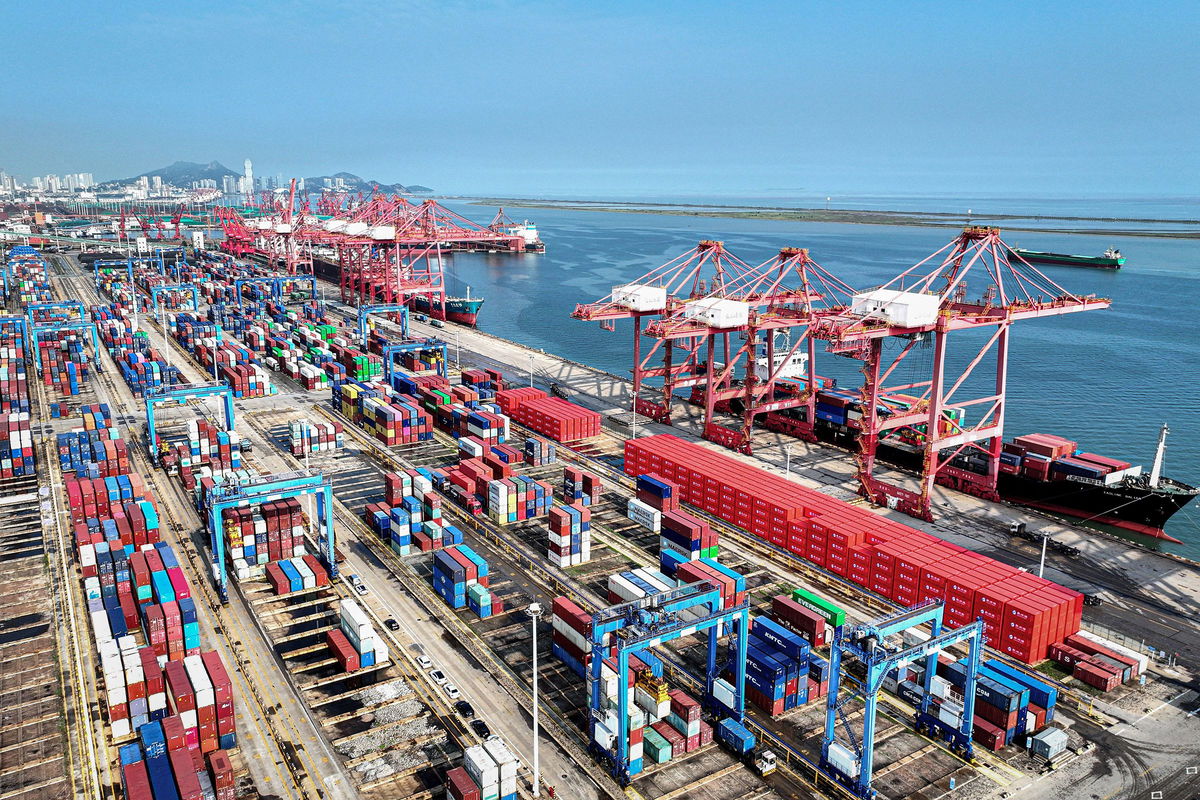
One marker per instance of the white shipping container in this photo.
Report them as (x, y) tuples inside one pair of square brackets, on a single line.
[(905, 309), (716, 312), (644, 514), (640, 297), (843, 759), (503, 757), (480, 766), (354, 618)]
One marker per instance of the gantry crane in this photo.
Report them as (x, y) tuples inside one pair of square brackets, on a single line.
[(929, 301), (660, 292), (783, 294), (873, 645), (649, 622)]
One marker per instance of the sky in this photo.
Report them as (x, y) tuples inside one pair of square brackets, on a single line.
[(616, 98)]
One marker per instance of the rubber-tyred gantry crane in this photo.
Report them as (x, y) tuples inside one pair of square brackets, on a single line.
[(660, 293), (929, 301)]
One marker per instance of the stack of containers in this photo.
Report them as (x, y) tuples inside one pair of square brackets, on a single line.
[(14, 382), (518, 498), (16, 445), (538, 452), (803, 620), (1001, 705), (296, 574), (643, 514), (570, 540), (1096, 663), (460, 578), (658, 493), (777, 667), (570, 641), (683, 537), (391, 418), (99, 453), (1043, 698), (64, 363), (1025, 613), (732, 583), (553, 417), (208, 444), (307, 437), (492, 769), (635, 584), (581, 487), (370, 648)]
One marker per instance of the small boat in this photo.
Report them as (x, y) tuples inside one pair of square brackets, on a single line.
[(1112, 259)]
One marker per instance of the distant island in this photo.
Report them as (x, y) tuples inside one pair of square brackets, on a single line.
[(1181, 229)]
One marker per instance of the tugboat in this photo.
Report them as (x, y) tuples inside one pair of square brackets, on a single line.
[(1112, 259)]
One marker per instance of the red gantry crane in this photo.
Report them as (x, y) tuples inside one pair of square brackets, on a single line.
[(929, 301), (782, 296), (658, 293)]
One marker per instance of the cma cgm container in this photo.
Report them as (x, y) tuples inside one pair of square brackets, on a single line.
[(1025, 614)]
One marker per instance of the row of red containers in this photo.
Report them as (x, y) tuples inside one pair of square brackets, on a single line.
[(1024, 613), (554, 417), (1094, 664)]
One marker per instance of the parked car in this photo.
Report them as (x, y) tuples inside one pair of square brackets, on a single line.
[(481, 729), (391, 624), (438, 677), (424, 663), (452, 691), (464, 709)]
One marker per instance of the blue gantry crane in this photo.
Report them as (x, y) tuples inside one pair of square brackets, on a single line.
[(155, 291), (56, 305), (77, 326), (100, 264), (390, 351), (163, 394), (381, 308), (648, 622), (868, 643), (276, 284), (267, 489)]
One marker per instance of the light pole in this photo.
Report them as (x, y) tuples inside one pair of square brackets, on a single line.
[(535, 612), (1042, 564), (787, 459), (457, 350), (531, 370)]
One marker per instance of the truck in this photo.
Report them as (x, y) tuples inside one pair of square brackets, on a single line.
[(741, 742)]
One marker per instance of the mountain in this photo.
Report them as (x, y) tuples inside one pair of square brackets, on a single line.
[(354, 183), (184, 173)]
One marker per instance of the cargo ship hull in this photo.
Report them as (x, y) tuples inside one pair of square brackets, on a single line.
[(464, 311), (1063, 260), (1127, 505)]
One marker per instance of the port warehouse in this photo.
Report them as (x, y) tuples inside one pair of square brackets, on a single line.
[(416, 430)]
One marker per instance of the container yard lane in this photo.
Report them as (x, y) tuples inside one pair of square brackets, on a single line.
[(427, 630), (283, 747)]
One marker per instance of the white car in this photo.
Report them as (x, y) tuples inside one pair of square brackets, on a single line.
[(438, 677), (452, 691), (424, 663)]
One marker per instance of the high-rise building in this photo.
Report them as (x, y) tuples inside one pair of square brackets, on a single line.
[(86, 180), (229, 184), (248, 171), (53, 183), (156, 184), (38, 184)]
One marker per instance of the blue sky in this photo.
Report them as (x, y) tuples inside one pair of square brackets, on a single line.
[(616, 98)]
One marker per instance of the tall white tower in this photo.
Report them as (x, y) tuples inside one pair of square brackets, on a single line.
[(249, 171)]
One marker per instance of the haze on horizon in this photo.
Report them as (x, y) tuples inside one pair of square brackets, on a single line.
[(619, 98)]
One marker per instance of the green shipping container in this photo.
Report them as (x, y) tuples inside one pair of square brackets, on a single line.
[(655, 747), (832, 614)]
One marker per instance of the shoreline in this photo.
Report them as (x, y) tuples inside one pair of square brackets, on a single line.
[(910, 219)]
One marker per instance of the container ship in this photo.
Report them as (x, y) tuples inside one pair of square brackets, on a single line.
[(1040, 471), (463, 310), (1112, 259)]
